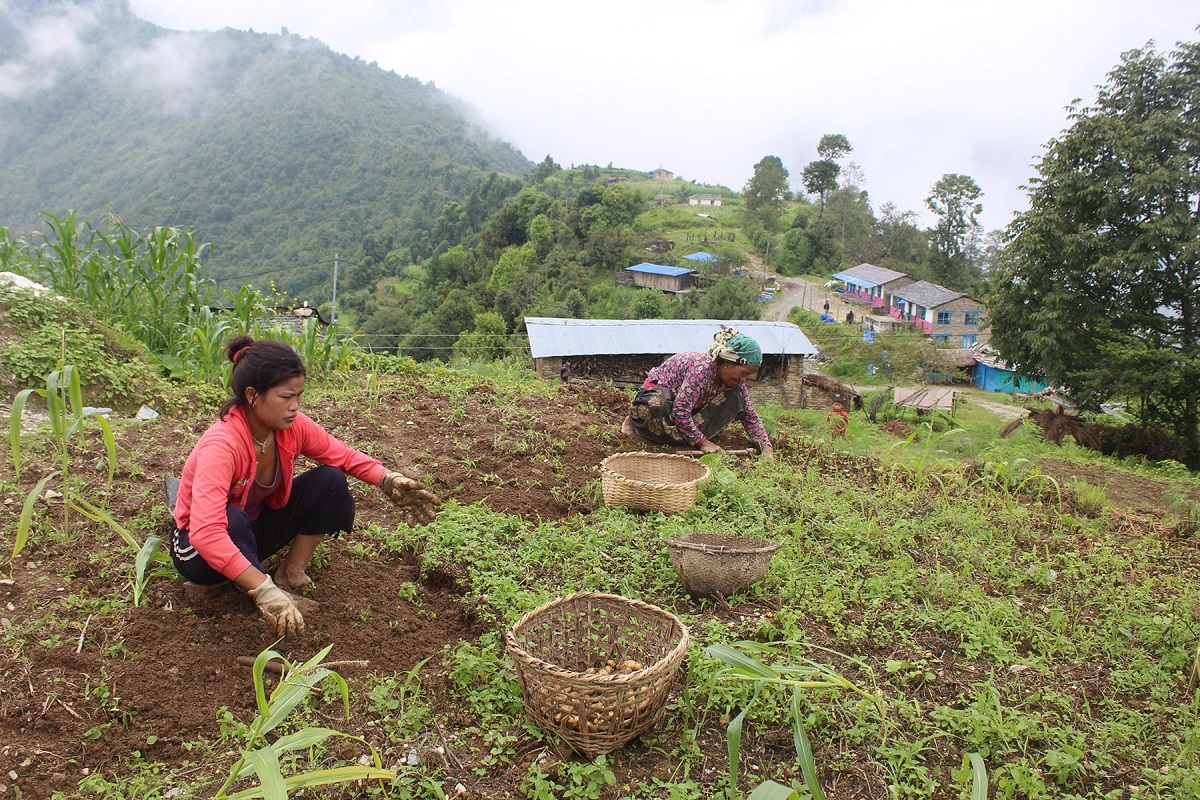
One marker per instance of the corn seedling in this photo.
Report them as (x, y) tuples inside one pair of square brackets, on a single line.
[(260, 758), (64, 405), (145, 556), (926, 467), (808, 674), (979, 778)]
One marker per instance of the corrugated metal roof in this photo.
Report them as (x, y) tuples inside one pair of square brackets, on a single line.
[(924, 293), (551, 337), (869, 275), (659, 269), (701, 256)]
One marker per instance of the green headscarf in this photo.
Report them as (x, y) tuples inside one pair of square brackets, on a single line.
[(736, 348)]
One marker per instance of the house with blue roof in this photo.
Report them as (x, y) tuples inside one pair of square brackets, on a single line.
[(672, 280), (873, 285)]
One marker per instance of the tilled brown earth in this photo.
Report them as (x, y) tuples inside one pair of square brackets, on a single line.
[(154, 678), (159, 677)]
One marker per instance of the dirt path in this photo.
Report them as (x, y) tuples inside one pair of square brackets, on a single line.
[(806, 294), (1000, 409)]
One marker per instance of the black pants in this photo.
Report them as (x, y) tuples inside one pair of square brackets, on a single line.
[(320, 504), (651, 415)]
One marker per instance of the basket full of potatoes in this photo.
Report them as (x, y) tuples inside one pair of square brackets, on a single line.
[(597, 668)]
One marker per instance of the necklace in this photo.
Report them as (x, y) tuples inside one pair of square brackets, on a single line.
[(262, 446)]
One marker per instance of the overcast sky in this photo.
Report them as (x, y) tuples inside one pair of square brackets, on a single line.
[(706, 88)]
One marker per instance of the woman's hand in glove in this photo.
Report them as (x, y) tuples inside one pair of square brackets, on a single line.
[(411, 496), (277, 607)]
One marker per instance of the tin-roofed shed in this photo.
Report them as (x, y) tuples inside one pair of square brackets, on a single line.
[(672, 280), (623, 351)]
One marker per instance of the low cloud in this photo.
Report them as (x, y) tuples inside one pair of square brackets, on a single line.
[(46, 45)]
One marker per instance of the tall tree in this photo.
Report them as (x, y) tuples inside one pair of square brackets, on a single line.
[(767, 189), (954, 199), (834, 146), (1099, 285), (821, 176)]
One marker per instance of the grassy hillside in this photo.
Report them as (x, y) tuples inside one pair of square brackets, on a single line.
[(278, 151)]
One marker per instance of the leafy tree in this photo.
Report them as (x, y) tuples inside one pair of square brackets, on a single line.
[(834, 146), (435, 332), (821, 177), (509, 269), (729, 298), (487, 342), (544, 170), (1099, 285), (898, 237), (853, 225), (648, 305), (576, 304), (767, 190), (456, 267), (954, 200)]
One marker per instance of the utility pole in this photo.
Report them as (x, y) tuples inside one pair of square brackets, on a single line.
[(333, 311)]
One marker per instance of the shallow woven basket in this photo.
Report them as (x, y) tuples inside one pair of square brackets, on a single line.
[(717, 564), (651, 481), (553, 647)]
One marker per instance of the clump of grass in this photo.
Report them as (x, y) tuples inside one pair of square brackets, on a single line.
[(1088, 500)]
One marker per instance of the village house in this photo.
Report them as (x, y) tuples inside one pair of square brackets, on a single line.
[(661, 174), (945, 315), (622, 351), (873, 285), (704, 200), (671, 280)]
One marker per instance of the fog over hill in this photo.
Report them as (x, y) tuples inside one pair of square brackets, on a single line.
[(276, 150)]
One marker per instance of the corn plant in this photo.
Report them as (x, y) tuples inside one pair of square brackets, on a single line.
[(64, 405), (926, 467), (260, 757), (144, 284), (149, 553), (808, 674)]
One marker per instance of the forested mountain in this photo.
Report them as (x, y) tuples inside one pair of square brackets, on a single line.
[(276, 150)]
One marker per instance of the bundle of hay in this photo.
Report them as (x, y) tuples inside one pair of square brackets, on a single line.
[(1056, 425)]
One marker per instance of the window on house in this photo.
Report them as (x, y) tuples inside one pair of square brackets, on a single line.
[(944, 317), (971, 317), (969, 339), (941, 337)]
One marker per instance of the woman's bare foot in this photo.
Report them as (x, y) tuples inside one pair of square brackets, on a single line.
[(627, 427), (293, 583)]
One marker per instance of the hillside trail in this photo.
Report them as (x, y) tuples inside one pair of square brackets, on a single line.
[(799, 292)]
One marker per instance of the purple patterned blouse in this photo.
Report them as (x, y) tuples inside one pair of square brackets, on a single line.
[(693, 379)]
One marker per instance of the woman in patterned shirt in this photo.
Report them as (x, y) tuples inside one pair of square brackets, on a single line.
[(691, 397)]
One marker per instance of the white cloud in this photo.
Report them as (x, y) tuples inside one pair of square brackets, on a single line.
[(708, 87), (48, 44)]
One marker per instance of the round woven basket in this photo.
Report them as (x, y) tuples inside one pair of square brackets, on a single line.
[(555, 646), (651, 481), (717, 564)]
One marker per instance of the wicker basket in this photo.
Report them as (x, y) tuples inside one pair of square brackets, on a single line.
[(651, 481), (716, 564), (555, 645)]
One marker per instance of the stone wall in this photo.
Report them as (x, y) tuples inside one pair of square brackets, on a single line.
[(957, 328)]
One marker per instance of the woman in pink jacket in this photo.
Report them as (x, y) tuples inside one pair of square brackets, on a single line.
[(240, 502)]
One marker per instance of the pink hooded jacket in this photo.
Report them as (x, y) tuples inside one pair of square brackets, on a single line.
[(221, 467)]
